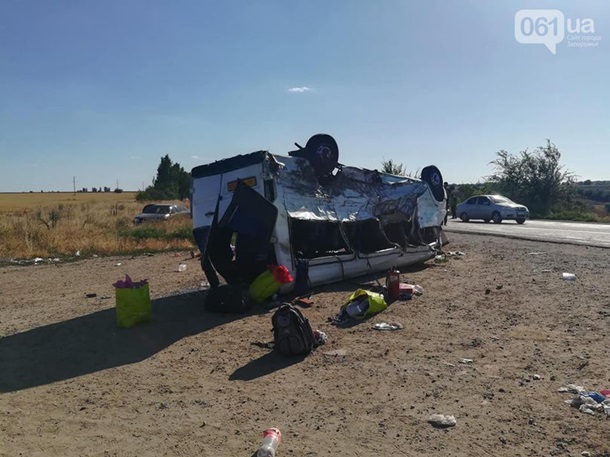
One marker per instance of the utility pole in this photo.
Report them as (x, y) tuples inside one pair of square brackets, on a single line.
[(74, 183)]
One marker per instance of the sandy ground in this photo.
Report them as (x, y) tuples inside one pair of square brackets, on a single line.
[(193, 384)]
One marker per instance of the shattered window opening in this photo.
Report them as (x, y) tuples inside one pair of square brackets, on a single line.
[(367, 237), (312, 239)]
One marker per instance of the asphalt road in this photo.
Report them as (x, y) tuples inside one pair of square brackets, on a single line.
[(552, 231)]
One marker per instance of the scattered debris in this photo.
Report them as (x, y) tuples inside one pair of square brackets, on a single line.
[(320, 337), (418, 290), (90, 295), (387, 326), (455, 254), (336, 353), (587, 402), (442, 420), (466, 361), (182, 267), (304, 302), (536, 377), (441, 258), (586, 410), (569, 276)]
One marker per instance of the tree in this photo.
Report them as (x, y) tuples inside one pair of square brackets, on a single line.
[(393, 168), (171, 182), (536, 179)]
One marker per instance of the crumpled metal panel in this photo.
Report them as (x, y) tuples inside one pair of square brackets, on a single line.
[(355, 194)]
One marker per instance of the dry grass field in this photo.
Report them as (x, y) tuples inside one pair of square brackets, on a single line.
[(59, 224), (26, 201)]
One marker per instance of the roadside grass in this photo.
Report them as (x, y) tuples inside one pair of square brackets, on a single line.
[(582, 211), (577, 216), (102, 227)]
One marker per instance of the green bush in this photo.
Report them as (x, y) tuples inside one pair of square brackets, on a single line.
[(183, 233), (571, 216)]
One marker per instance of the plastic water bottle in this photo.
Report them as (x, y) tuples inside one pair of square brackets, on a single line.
[(271, 440)]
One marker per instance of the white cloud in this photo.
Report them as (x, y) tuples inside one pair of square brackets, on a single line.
[(300, 90), (134, 157), (195, 157)]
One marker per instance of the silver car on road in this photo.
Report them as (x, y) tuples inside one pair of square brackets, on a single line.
[(492, 208), (160, 212)]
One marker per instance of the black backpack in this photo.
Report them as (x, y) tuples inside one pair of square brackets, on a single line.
[(292, 333)]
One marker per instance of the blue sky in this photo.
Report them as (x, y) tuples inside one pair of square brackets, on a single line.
[(101, 90)]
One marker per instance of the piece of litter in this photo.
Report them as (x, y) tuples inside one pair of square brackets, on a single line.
[(320, 337), (455, 253), (90, 295), (117, 264), (466, 361), (336, 353), (442, 420), (546, 271), (537, 377), (418, 290), (569, 276), (574, 388), (586, 410), (563, 389), (387, 326), (440, 258)]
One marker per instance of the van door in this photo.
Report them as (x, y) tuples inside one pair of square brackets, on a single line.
[(248, 222)]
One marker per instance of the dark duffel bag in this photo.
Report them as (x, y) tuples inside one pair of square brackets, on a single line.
[(227, 299)]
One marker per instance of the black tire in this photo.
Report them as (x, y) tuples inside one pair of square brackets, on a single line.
[(323, 154), (433, 177), (486, 221), (464, 217), (496, 217), (520, 221)]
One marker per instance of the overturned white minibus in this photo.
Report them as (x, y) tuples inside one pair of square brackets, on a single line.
[(323, 220)]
